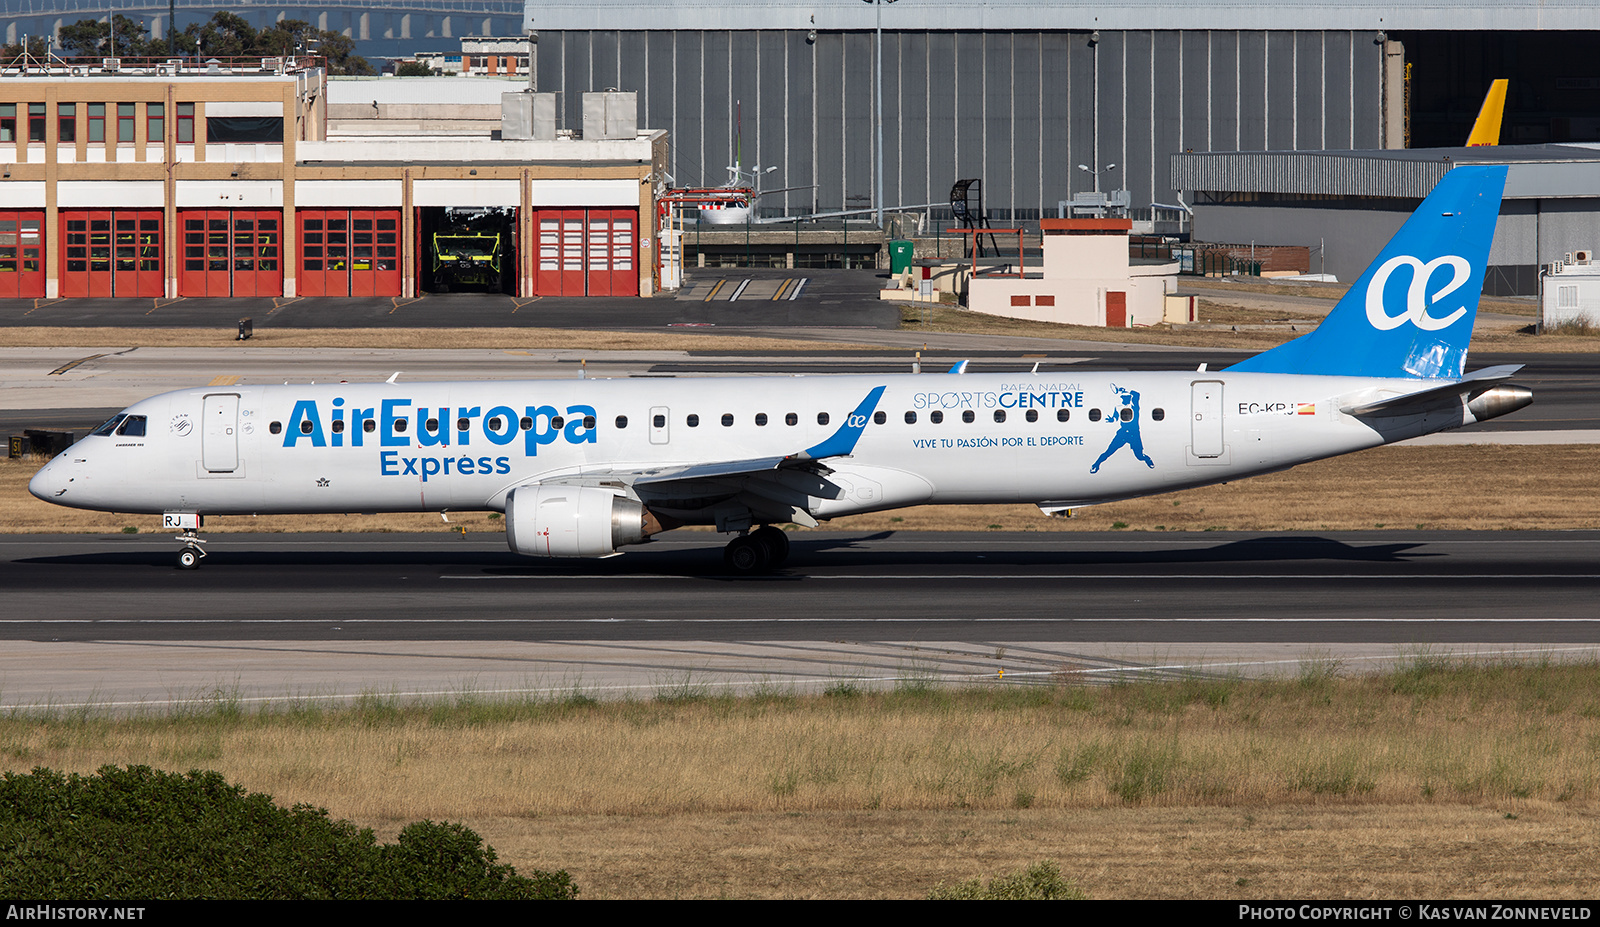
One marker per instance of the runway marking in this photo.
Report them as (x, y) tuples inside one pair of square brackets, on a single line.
[(339, 622), (65, 367), (713, 294), (1053, 577), (739, 290), (224, 380), (795, 293)]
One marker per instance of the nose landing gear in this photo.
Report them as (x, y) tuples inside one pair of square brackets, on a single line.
[(192, 553)]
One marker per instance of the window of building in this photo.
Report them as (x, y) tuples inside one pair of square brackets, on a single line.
[(244, 129), (67, 122), (125, 115), (35, 122), (8, 122), (155, 123), (97, 122), (186, 123)]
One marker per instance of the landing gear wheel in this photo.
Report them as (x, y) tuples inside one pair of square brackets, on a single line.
[(777, 543), (189, 558), (747, 556)]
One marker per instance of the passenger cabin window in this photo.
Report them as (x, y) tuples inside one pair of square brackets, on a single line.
[(431, 424), (761, 419), (1157, 415), (1033, 415), (368, 426), (727, 419), (967, 416), (1126, 414), (306, 427), (494, 423), (1063, 414), (659, 421), (1094, 415), (936, 416), (822, 418), (693, 421), (338, 426), (557, 423), (588, 421), (791, 419), (622, 421), (878, 418), (277, 427), (999, 415), (911, 418), (462, 424)]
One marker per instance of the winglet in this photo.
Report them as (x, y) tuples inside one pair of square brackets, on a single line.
[(1486, 131), (843, 441)]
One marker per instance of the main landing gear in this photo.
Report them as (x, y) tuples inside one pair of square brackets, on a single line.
[(192, 553), (763, 549)]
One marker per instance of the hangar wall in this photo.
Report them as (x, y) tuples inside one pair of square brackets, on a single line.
[(1018, 108)]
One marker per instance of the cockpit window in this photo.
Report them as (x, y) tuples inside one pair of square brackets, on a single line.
[(133, 427), (109, 426)]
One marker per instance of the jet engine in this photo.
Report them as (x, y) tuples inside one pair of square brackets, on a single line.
[(571, 521)]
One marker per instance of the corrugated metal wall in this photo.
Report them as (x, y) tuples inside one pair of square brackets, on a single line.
[(1018, 109)]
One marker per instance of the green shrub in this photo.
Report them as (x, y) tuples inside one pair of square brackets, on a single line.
[(139, 833), (1039, 882)]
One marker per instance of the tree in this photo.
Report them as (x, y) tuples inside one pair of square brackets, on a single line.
[(225, 35), (91, 38), (139, 833), (412, 69)]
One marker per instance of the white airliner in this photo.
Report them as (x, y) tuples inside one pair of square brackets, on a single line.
[(582, 468)]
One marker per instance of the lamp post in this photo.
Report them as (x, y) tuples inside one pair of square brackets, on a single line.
[(1096, 172), (877, 110)]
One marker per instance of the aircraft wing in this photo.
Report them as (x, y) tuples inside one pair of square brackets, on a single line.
[(1470, 382), (771, 487)]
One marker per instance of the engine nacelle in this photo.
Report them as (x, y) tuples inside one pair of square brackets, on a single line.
[(571, 521)]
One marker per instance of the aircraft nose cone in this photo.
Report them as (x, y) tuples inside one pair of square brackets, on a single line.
[(46, 484)]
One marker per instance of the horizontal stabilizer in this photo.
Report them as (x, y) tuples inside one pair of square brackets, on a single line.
[(1467, 384)]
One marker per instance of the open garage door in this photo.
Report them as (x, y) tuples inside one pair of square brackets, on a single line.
[(107, 252), (231, 252), (21, 254), (349, 252), (587, 252)]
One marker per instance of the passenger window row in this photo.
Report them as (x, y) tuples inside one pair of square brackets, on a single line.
[(693, 421)]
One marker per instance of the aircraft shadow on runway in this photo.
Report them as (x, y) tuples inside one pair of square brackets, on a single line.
[(807, 554)]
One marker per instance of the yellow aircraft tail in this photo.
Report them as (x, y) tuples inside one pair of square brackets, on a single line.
[(1486, 131)]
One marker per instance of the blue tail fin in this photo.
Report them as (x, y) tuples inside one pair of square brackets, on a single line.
[(1411, 313)]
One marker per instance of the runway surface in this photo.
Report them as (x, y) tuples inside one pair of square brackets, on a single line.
[(107, 620)]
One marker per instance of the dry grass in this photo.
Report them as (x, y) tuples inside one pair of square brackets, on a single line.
[(528, 339), (1314, 786), (1509, 487)]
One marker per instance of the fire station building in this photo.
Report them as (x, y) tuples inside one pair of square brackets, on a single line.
[(178, 178)]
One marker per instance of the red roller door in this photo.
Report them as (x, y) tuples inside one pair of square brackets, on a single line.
[(21, 254), (111, 252), (345, 252), (231, 252), (587, 252)]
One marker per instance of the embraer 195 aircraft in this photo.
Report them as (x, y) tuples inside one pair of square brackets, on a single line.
[(582, 468)]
